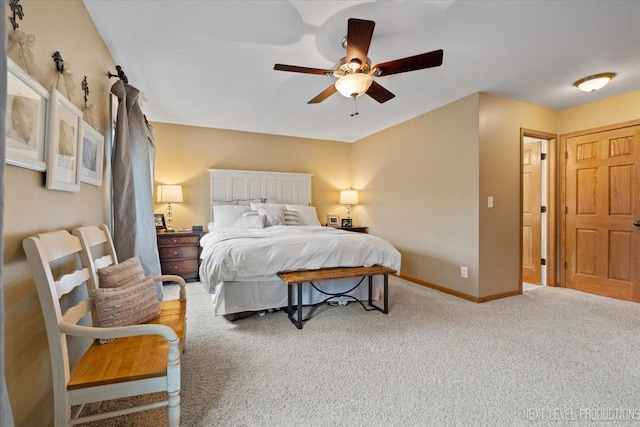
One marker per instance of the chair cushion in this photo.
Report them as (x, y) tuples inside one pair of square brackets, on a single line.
[(127, 305), (122, 274)]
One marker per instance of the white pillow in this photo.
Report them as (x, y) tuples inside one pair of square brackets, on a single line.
[(225, 215), (255, 206), (274, 215), (250, 221), (307, 215)]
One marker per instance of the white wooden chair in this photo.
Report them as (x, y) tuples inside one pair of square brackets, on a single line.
[(144, 359)]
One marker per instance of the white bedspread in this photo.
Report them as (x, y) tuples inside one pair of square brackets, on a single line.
[(249, 254)]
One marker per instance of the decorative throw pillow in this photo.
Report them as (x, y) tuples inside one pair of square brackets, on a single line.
[(122, 274), (250, 221), (129, 305), (307, 215), (273, 215), (290, 217)]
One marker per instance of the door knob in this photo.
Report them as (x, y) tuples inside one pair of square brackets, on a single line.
[(636, 223)]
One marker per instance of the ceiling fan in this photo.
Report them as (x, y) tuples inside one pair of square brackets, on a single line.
[(355, 73)]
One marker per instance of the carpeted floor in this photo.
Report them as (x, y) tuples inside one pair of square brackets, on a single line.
[(550, 357)]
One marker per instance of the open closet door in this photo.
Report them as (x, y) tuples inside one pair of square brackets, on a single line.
[(134, 228), (6, 417)]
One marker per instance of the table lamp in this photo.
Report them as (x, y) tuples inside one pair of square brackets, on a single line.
[(169, 194), (349, 197)]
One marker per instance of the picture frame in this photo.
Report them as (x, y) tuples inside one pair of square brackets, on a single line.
[(92, 161), (26, 120), (160, 223), (333, 220), (347, 222), (64, 144)]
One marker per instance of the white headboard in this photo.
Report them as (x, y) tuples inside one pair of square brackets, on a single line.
[(228, 184)]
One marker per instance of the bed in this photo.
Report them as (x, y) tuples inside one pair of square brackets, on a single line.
[(263, 223)]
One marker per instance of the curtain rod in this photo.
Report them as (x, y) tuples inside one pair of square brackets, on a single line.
[(119, 73)]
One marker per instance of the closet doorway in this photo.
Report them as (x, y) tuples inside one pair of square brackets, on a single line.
[(538, 209)]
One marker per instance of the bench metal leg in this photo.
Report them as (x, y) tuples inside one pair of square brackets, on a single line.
[(297, 320), (299, 324), (386, 294), (385, 308)]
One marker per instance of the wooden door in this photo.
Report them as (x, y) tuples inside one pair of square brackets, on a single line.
[(531, 214), (603, 202)]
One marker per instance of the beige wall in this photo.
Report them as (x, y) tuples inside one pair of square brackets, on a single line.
[(500, 176), (608, 111), (184, 153), (425, 184), (419, 186), (30, 208)]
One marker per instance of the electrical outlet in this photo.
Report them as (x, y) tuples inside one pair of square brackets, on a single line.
[(464, 272)]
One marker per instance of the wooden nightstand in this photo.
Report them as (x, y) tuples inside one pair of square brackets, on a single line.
[(180, 253), (356, 229)]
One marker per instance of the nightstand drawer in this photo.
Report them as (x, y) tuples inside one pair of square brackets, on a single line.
[(186, 268), (178, 252), (171, 240)]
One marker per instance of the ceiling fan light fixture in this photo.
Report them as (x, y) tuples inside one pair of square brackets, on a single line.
[(353, 84), (595, 82)]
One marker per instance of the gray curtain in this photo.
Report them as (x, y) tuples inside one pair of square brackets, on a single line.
[(6, 417), (134, 226)]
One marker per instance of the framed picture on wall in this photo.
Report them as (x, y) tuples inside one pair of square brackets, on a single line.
[(92, 155), (25, 122), (65, 150)]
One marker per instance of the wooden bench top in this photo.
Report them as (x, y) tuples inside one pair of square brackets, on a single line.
[(295, 277), (139, 357)]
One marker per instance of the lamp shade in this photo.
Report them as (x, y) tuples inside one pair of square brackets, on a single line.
[(349, 197), (353, 84), (169, 193)]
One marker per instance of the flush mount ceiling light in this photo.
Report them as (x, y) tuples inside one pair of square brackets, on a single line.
[(595, 82)]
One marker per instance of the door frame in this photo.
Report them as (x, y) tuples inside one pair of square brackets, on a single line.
[(552, 186), (563, 182)]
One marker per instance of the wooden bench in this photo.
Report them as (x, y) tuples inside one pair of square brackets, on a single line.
[(309, 276), (143, 359)]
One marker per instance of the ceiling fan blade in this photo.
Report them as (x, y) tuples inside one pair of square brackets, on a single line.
[(359, 33), (324, 95), (306, 70), (379, 93), (411, 63)]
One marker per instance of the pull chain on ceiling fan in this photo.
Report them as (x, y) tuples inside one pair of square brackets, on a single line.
[(355, 73)]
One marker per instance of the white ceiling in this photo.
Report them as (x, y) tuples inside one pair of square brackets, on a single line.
[(210, 63)]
